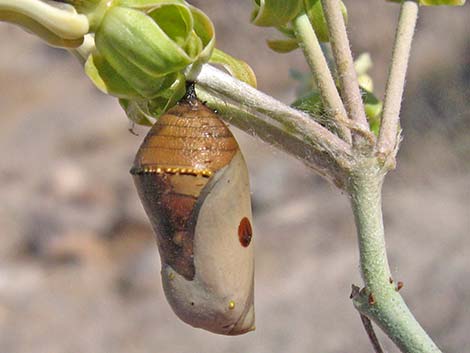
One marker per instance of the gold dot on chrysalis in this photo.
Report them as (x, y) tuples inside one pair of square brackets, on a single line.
[(231, 305), (171, 276)]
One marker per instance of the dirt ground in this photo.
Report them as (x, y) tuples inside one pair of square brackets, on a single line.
[(79, 268)]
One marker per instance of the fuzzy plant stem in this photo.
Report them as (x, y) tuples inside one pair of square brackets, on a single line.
[(321, 73), (344, 62), (248, 121), (380, 300), (299, 123), (389, 131)]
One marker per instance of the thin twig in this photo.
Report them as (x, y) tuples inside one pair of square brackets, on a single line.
[(344, 62), (389, 129), (371, 333), (321, 73)]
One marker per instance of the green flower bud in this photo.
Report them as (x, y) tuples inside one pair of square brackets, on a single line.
[(141, 44)]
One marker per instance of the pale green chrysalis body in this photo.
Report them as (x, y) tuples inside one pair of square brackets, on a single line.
[(220, 297)]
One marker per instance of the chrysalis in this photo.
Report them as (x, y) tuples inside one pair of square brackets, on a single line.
[(193, 182)]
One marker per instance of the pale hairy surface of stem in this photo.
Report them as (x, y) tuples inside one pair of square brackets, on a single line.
[(278, 137), (389, 129), (321, 73), (344, 62), (299, 123), (380, 300)]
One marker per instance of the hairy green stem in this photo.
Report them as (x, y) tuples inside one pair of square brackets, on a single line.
[(380, 300), (389, 129), (279, 137), (297, 122), (344, 63), (321, 73)]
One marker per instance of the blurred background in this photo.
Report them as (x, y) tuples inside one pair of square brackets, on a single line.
[(79, 268)]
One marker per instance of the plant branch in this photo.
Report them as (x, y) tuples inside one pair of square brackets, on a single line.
[(389, 129), (251, 123), (380, 300), (344, 63), (298, 124), (321, 73)]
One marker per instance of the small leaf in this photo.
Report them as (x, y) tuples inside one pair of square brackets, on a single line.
[(372, 104), (236, 67), (373, 108), (274, 13), (282, 45), (317, 18), (311, 104)]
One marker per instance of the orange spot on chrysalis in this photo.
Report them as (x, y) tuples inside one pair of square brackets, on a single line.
[(245, 232)]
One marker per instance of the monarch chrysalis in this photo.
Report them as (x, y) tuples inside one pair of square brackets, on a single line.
[(193, 182)]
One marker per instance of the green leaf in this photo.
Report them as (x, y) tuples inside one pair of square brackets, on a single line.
[(372, 104), (282, 45), (236, 67), (317, 18), (274, 13), (311, 104)]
